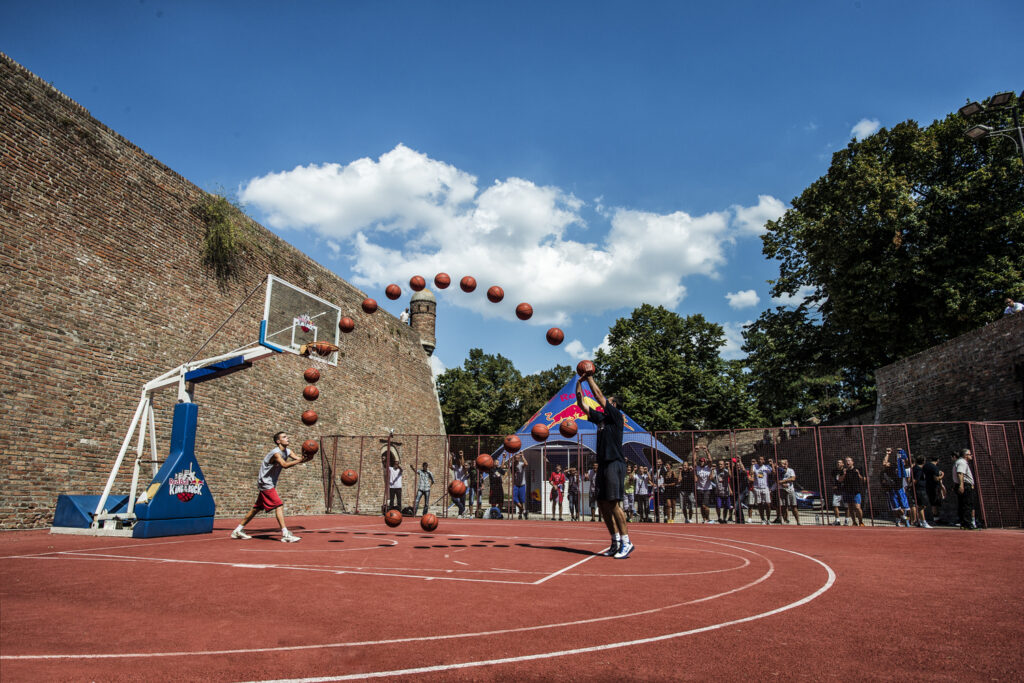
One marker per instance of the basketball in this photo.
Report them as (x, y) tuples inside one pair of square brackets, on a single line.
[(567, 428), (310, 393), (309, 417), (484, 462), (524, 311), (416, 283), (512, 443), (393, 517), (585, 368), (428, 522), (311, 375), (539, 432), (310, 447), (468, 283), (392, 291), (346, 324), (369, 305), (495, 294), (555, 336), (349, 477), (442, 280), (457, 487)]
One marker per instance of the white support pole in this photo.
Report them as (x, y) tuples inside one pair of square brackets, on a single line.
[(152, 436), (138, 458), (120, 458)]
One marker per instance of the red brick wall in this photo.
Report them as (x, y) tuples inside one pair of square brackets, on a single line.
[(978, 376), (105, 288)]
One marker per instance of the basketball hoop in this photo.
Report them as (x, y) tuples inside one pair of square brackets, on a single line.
[(322, 353)]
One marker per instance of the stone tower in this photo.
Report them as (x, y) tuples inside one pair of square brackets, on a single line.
[(423, 318)]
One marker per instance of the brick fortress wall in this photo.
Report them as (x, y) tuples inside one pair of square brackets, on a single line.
[(105, 288), (977, 376)]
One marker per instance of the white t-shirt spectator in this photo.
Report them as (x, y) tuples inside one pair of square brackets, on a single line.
[(963, 468), (761, 474), (788, 486), (641, 484), (704, 482), (1015, 307), (395, 477)]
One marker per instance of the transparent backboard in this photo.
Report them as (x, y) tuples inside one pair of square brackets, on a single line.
[(293, 317)]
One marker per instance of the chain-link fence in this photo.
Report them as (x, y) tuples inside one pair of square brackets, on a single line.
[(813, 475)]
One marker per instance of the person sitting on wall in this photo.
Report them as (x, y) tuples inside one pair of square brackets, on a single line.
[(1012, 307)]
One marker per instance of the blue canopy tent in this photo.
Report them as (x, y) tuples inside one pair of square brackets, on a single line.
[(561, 451)]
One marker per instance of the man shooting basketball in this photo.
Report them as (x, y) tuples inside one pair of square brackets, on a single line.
[(270, 469), (611, 467)]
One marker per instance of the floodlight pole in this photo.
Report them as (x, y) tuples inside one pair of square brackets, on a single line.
[(1018, 140)]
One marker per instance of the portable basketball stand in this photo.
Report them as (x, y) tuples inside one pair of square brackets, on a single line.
[(178, 501)]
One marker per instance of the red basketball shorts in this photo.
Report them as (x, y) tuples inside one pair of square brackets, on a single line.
[(268, 500)]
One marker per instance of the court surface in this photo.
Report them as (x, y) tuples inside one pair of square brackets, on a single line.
[(496, 599)]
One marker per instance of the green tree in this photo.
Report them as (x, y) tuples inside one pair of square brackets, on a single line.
[(488, 395), (911, 238), (668, 372)]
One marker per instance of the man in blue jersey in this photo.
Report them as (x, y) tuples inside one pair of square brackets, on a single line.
[(611, 466)]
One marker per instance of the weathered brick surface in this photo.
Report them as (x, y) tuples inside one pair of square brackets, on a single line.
[(978, 376), (104, 288)]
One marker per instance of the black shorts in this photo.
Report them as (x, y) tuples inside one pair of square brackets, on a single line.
[(611, 480)]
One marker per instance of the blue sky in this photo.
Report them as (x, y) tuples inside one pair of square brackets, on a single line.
[(586, 156)]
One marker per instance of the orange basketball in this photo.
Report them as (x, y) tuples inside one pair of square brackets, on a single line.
[(484, 462), (442, 280), (468, 283), (428, 522), (346, 324), (369, 305), (495, 294), (512, 443), (392, 291), (349, 477), (585, 368), (567, 428), (555, 336), (457, 487), (310, 447), (524, 311), (416, 283), (393, 517), (309, 417), (539, 432), (310, 393), (311, 375)]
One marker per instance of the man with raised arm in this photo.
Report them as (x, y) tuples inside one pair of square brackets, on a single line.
[(611, 466)]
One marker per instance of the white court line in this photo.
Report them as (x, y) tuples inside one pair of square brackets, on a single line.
[(560, 571), (582, 650), (452, 636)]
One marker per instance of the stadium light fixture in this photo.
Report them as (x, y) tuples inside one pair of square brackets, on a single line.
[(971, 108), (1014, 134), (978, 132)]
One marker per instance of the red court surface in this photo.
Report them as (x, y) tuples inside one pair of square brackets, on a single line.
[(489, 600)]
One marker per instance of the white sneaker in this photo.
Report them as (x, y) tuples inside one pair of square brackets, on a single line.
[(925, 525), (290, 538), (710, 521), (624, 551), (239, 534)]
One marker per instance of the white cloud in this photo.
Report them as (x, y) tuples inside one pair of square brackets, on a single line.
[(576, 349), (794, 299), (752, 219), (405, 214), (744, 299), (334, 247), (865, 128), (436, 367), (733, 348)]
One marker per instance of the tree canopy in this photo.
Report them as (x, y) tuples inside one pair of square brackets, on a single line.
[(912, 237), (668, 371)]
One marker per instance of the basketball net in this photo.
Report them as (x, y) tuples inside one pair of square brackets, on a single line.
[(322, 354)]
